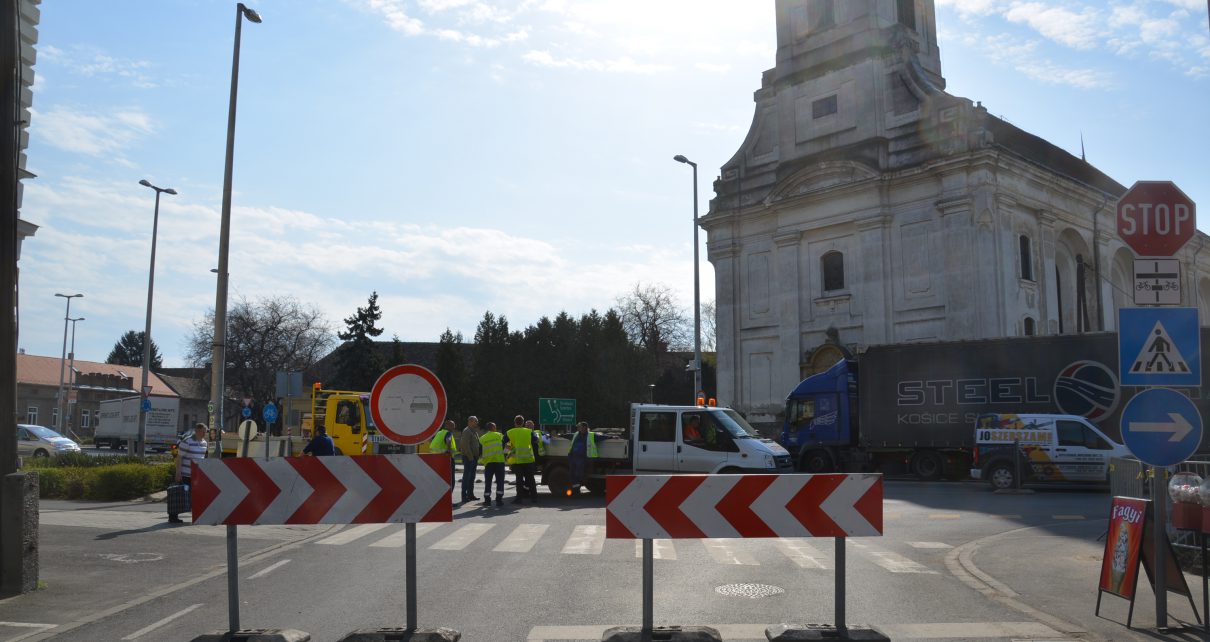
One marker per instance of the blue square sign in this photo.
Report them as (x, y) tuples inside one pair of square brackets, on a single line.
[(1159, 347)]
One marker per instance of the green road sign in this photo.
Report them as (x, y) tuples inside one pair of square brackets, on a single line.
[(556, 412)]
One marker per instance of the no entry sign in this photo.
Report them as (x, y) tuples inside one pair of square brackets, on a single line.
[(1155, 218), (408, 404)]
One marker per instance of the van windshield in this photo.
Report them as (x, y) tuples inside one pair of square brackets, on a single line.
[(734, 424)]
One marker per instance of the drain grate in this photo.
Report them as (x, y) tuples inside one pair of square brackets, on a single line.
[(750, 591)]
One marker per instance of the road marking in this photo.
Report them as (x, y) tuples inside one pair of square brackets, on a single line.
[(269, 569), (661, 549), (801, 552), (585, 540), (522, 539), (397, 539), (28, 625), (462, 537), (350, 534), (929, 545), (155, 625), (723, 551), (934, 630), (897, 563), (1009, 516), (1068, 517), (945, 516)]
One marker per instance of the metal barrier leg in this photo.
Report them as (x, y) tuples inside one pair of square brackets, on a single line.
[(839, 601), (410, 534), (232, 581), (648, 587)]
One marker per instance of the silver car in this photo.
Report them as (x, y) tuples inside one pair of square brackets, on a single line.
[(39, 441)]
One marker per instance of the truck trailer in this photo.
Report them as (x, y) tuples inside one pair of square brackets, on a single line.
[(118, 423)]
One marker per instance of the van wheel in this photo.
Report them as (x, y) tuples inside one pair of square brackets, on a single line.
[(1001, 476), (41, 454), (928, 465), (558, 481), (816, 461), (729, 471)]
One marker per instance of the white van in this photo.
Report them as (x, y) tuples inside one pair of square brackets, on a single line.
[(701, 439), (1050, 448)]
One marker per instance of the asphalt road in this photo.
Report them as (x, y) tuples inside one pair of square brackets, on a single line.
[(956, 562)]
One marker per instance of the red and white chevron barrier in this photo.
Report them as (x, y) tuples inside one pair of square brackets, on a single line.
[(707, 506), (374, 489)]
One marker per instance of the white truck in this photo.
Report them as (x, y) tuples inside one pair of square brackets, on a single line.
[(118, 423), (669, 439)]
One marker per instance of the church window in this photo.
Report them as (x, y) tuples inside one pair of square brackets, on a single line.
[(824, 107), (833, 271), (907, 13), (1030, 327), (1027, 258)]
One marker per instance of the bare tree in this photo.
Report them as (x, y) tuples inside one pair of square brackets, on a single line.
[(263, 337), (654, 320), (709, 326)]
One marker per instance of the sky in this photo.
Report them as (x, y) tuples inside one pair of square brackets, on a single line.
[(512, 156)]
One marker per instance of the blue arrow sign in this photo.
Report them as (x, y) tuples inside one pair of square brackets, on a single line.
[(1161, 427), (1159, 347), (246, 412), (146, 405), (269, 413)]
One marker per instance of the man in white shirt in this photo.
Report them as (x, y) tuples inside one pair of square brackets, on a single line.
[(188, 450)]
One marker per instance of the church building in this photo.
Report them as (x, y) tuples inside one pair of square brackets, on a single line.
[(869, 206)]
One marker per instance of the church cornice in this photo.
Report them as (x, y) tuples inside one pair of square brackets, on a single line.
[(822, 176)]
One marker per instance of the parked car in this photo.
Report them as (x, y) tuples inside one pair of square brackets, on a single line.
[(40, 441)]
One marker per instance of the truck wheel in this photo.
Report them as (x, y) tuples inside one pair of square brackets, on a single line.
[(928, 465), (1001, 476), (558, 481), (816, 461), (595, 486)]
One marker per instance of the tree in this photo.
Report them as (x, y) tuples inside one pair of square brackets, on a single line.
[(263, 337), (452, 371), (359, 363), (653, 319), (709, 326), (128, 351)]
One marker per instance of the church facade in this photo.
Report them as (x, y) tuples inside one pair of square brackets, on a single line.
[(869, 206)]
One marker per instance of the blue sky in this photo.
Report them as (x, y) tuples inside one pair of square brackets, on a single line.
[(460, 156)]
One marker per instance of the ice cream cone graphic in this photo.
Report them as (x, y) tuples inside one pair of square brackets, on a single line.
[(1121, 552)]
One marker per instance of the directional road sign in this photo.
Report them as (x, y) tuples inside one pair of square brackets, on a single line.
[(1155, 218), (269, 412), (556, 412), (246, 412), (408, 403), (146, 405), (1159, 347), (1157, 282), (1161, 427)]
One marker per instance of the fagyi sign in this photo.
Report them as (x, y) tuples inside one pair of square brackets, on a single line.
[(1155, 218)]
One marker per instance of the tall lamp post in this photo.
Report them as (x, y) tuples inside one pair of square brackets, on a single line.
[(71, 367), (63, 359), (155, 228), (697, 293)]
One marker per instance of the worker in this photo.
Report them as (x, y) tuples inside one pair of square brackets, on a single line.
[(692, 430), (542, 438), (583, 449), (443, 442), (492, 456), (521, 440)]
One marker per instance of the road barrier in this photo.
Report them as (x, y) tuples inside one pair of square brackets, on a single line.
[(649, 507)]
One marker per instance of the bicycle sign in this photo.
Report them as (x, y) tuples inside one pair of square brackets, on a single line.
[(1157, 282)]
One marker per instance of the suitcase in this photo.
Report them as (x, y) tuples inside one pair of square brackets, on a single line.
[(178, 499)]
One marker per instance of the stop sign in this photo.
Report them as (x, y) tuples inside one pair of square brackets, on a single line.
[(1155, 218)]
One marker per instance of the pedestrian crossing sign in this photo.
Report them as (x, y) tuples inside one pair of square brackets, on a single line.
[(1159, 347)]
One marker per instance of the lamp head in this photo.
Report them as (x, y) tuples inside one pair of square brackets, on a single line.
[(680, 158), (250, 14), (146, 183), (170, 191)]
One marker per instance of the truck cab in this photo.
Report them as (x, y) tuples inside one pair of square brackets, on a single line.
[(820, 414), (700, 439)]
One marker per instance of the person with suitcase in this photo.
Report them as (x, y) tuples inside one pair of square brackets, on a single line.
[(188, 450)]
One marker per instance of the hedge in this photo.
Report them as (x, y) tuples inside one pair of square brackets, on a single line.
[(114, 482)]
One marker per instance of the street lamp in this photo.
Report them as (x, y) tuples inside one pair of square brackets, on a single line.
[(72, 367), (697, 295), (63, 359), (155, 227)]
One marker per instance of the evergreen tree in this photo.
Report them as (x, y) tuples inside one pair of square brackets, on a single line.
[(360, 363), (128, 351), (452, 371)]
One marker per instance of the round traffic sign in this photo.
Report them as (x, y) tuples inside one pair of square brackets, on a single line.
[(408, 404), (1161, 427), (248, 430), (269, 412), (246, 412), (1155, 218), (146, 405)]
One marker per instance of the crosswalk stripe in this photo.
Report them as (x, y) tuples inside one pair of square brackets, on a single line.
[(896, 563), (724, 552), (801, 552), (349, 534), (945, 516), (522, 539), (399, 538), (661, 549), (1067, 517), (462, 537), (585, 540)]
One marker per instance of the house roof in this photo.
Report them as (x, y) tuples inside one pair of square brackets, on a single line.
[(187, 387), (44, 371)]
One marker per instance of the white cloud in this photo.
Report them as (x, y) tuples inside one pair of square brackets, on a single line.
[(93, 134), (1078, 29), (92, 62), (970, 7), (714, 68), (619, 65)]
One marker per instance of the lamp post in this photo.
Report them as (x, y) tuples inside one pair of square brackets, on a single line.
[(697, 294), (63, 359), (71, 367), (155, 227)]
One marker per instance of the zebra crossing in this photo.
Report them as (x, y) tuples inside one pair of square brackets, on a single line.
[(589, 539)]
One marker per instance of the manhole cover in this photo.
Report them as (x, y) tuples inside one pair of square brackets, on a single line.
[(750, 591)]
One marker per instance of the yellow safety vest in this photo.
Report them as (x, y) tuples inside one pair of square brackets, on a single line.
[(493, 448), (541, 443), (439, 445), (520, 438), (592, 444)]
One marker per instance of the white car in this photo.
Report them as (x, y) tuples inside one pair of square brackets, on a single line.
[(39, 441)]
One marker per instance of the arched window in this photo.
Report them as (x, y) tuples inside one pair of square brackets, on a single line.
[(833, 271), (1030, 328), (1027, 257)]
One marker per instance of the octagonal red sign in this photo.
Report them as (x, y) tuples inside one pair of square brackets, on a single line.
[(1155, 218)]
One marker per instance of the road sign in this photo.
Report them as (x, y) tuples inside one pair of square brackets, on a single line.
[(374, 489), (702, 506), (146, 405), (408, 403), (269, 412), (1155, 218), (246, 412), (1159, 347), (556, 412), (247, 429), (288, 384), (1161, 427), (1157, 282)]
